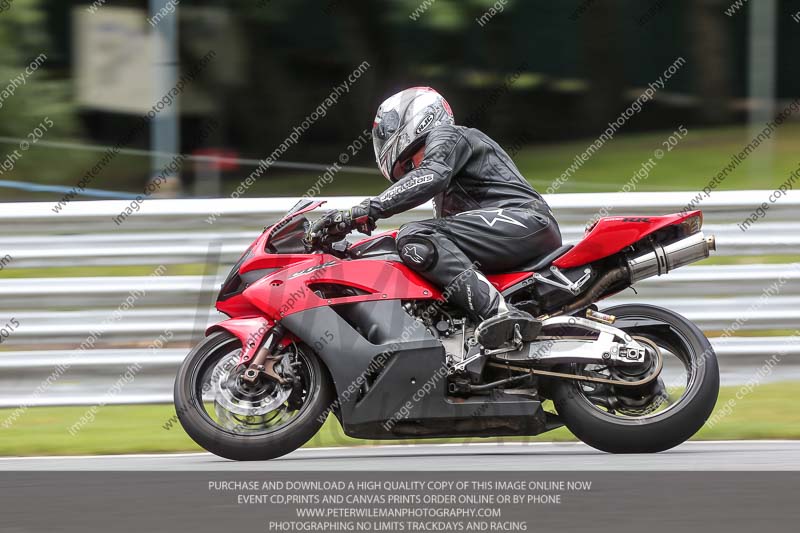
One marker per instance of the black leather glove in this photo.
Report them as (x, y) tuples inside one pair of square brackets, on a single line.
[(335, 225), (362, 220)]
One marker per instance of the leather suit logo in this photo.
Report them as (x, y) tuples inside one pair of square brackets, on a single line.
[(412, 253), (404, 186), (492, 217)]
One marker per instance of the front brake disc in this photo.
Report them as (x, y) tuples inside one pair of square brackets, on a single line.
[(230, 395)]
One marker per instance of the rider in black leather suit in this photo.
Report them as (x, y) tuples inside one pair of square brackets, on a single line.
[(487, 216)]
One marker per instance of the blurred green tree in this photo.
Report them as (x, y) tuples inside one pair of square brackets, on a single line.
[(33, 94)]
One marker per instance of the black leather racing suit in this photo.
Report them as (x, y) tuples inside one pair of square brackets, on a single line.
[(487, 217)]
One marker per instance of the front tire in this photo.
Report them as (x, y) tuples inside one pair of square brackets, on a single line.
[(194, 391), (606, 430)]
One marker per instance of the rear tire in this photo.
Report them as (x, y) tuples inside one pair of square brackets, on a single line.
[(247, 447), (661, 431)]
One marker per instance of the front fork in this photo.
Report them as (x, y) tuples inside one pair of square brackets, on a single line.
[(259, 337), (261, 340), (264, 361)]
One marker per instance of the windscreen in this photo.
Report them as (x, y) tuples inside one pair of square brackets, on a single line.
[(299, 206), (288, 238)]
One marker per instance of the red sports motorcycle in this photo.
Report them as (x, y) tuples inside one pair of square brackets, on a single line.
[(349, 330)]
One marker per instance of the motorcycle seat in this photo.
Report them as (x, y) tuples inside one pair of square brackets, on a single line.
[(540, 263)]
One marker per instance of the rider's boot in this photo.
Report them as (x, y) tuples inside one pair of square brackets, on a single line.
[(500, 320)]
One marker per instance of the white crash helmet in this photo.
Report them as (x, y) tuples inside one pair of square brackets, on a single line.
[(403, 122)]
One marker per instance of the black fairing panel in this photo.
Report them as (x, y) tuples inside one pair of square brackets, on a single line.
[(233, 283), (349, 354), (411, 389), (378, 247)]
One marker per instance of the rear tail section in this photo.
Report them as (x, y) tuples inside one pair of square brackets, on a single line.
[(611, 235), (643, 247)]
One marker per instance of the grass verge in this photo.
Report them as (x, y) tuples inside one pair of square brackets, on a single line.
[(701, 155)]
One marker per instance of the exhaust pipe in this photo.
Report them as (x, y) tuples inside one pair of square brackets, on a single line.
[(661, 260), (664, 259)]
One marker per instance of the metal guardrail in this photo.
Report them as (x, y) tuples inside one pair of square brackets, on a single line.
[(192, 247), (177, 231), (57, 314)]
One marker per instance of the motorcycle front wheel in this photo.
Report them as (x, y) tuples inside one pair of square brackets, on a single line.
[(244, 421), (654, 417)]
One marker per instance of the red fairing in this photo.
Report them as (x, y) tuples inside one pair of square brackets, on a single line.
[(248, 330), (504, 281), (237, 306), (612, 234), (289, 290)]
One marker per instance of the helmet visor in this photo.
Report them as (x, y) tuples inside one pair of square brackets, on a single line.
[(384, 136)]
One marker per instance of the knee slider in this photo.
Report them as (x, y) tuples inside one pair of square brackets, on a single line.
[(417, 253)]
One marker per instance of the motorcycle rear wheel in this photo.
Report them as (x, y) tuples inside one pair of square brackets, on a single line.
[(293, 419), (604, 428)]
